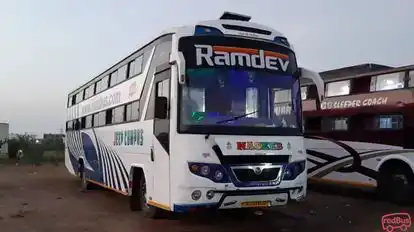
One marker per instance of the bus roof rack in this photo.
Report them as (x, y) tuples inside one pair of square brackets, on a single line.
[(234, 16)]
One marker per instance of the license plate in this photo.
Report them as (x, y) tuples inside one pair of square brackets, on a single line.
[(255, 204)]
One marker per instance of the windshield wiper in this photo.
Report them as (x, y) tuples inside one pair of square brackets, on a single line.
[(237, 117), (232, 119)]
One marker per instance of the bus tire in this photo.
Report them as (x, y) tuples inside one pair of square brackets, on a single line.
[(134, 199), (148, 211), (396, 182)]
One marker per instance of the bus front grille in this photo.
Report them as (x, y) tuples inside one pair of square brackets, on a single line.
[(257, 173)]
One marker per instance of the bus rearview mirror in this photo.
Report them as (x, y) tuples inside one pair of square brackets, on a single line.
[(316, 79), (181, 68)]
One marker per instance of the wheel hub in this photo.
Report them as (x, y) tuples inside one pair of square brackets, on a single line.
[(401, 178)]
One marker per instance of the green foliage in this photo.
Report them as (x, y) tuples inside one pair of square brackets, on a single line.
[(3, 142), (49, 150)]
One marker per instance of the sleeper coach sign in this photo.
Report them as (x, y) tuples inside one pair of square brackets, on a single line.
[(386, 98), (340, 104)]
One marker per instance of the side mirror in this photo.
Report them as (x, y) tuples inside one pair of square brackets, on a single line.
[(180, 63), (161, 107), (317, 79)]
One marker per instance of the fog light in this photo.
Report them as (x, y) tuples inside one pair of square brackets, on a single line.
[(205, 170), (218, 175), (196, 195), (210, 194)]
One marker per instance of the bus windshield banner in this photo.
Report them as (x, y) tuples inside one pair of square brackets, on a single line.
[(211, 51)]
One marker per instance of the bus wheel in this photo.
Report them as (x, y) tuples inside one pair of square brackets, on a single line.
[(396, 183), (134, 199), (149, 211)]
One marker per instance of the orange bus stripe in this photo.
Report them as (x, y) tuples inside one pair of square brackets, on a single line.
[(153, 203), (250, 51), (107, 187), (276, 54)]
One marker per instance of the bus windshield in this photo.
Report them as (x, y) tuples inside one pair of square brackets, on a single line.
[(237, 100)]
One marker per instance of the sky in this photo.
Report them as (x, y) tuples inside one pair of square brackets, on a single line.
[(50, 47)]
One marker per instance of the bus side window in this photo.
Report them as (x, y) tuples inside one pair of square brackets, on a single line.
[(163, 90)]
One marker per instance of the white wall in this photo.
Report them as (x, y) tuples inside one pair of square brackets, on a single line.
[(4, 133)]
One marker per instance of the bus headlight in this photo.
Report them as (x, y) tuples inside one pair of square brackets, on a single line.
[(294, 169), (205, 170), (214, 172), (218, 175)]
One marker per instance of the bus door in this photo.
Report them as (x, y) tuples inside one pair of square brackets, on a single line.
[(161, 139)]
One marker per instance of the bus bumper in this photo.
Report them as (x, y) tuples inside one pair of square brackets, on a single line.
[(233, 199)]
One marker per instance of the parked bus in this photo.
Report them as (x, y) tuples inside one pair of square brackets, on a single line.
[(188, 121), (363, 132)]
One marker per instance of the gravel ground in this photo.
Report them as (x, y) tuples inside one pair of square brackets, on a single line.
[(46, 198)]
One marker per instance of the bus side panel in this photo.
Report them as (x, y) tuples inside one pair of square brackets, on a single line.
[(70, 161), (123, 146), (328, 161), (109, 152)]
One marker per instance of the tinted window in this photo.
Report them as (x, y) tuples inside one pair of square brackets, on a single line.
[(69, 125), (304, 92), (332, 124), (411, 79), (96, 119), (282, 96), (338, 88), (135, 110), (79, 96), (102, 118), (118, 114), (128, 112), (138, 65), (70, 101), (113, 78), (389, 122), (387, 81), (88, 122), (135, 66), (104, 83), (122, 73)]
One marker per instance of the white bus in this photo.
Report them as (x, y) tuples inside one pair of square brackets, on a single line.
[(188, 121)]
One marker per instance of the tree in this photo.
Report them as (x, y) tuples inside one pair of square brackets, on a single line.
[(21, 141), (2, 142)]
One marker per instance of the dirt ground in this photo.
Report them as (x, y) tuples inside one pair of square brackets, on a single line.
[(46, 198)]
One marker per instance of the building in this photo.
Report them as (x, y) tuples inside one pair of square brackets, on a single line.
[(4, 134), (363, 105)]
